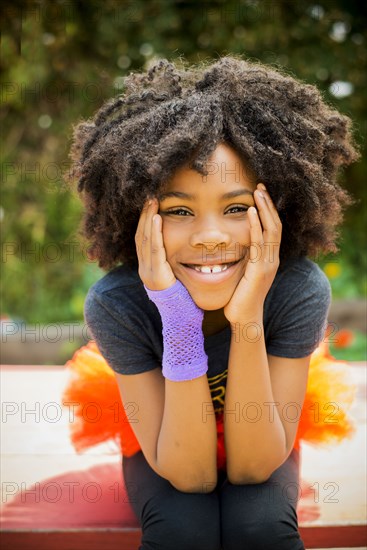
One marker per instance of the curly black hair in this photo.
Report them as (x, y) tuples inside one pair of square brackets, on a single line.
[(175, 115)]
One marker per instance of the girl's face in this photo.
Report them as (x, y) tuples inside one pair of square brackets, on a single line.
[(205, 224)]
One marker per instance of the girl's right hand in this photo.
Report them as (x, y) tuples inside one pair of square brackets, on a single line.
[(154, 270)]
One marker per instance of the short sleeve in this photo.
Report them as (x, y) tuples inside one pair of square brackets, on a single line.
[(125, 336), (300, 306)]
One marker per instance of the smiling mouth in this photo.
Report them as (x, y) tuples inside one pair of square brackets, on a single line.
[(218, 268)]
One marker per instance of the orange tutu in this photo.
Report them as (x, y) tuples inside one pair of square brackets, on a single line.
[(100, 416)]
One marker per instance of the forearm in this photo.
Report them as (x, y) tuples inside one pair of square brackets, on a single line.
[(186, 447), (254, 435), (187, 443)]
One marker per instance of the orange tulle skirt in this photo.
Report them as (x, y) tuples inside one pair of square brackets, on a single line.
[(99, 415)]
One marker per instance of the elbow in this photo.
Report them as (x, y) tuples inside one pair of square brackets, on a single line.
[(248, 477), (256, 473), (198, 484), (241, 472), (190, 477), (203, 488)]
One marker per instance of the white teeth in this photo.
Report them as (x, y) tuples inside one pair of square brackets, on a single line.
[(211, 269)]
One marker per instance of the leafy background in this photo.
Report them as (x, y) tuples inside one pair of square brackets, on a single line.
[(62, 59)]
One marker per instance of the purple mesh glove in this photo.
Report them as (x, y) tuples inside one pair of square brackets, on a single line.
[(184, 357)]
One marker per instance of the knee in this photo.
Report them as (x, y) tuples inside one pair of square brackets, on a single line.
[(183, 536), (182, 529), (271, 534)]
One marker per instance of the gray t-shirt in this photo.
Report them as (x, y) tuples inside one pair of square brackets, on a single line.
[(127, 326)]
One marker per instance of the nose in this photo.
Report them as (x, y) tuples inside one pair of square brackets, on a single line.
[(212, 238)]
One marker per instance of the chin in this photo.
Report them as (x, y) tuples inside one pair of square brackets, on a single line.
[(209, 306), (210, 301)]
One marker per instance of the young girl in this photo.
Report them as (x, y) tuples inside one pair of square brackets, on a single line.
[(211, 185)]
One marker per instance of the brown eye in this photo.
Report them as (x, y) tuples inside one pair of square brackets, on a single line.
[(237, 209), (177, 212)]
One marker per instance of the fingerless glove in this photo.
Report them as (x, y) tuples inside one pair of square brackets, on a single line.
[(184, 357)]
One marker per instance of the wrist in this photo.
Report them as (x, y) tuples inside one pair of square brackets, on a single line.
[(250, 331), (255, 316), (173, 298), (237, 314), (166, 293), (184, 357)]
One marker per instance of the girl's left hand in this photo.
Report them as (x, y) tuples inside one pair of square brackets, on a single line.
[(247, 301)]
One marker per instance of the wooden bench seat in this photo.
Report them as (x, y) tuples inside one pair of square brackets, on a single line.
[(53, 498)]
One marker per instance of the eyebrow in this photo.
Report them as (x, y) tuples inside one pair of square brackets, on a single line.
[(180, 195)]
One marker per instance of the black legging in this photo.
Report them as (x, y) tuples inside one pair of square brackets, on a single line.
[(232, 517)]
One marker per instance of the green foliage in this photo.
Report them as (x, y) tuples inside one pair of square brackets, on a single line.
[(62, 59), (344, 280), (356, 351)]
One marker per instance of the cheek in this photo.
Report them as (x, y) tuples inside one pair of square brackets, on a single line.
[(241, 234), (173, 239), (244, 229)]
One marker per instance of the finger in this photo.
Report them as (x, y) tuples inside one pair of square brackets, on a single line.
[(263, 205), (158, 252), (270, 204), (139, 229), (140, 235), (141, 221), (162, 275), (272, 230), (256, 235), (146, 243), (160, 265), (272, 227)]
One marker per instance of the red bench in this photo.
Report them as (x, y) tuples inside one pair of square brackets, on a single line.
[(55, 498)]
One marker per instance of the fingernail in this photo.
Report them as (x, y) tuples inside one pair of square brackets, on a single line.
[(260, 194), (261, 186)]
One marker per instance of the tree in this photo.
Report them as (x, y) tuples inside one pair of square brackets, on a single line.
[(61, 60)]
